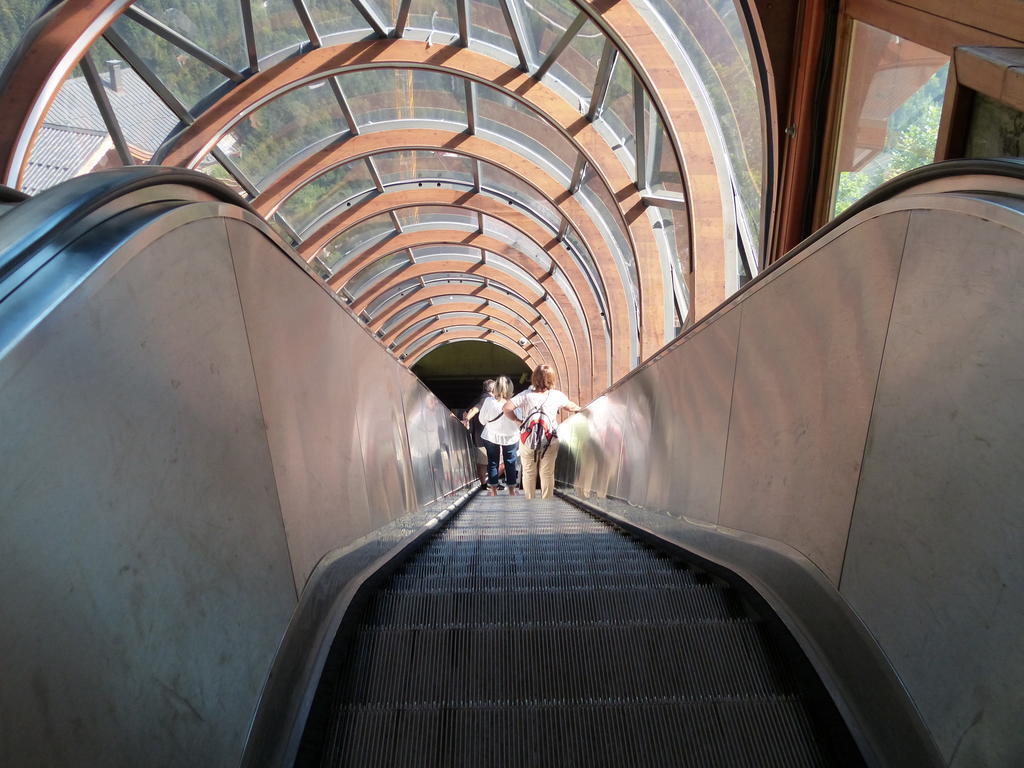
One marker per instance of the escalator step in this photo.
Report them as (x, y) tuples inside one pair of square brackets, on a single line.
[(725, 732), (572, 664), (619, 606), (532, 634)]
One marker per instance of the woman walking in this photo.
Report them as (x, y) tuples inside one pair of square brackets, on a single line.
[(539, 406), (500, 436)]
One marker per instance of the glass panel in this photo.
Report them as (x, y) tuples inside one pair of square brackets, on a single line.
[(546, 22), (144, 119), (279, 225), (278, 29), (309, 202), (445, 251), (406, 165), (510, 267), (576, 68), (578, 249), (437, 16), (891, 109), (366, 277), (487, 25), (335, 16), (676, 226), (391, 296), (269, 136), (617, 113), (433, 216), (711, 32), (518, 192), (498, 113), (212, 167), (71, 141), (997, 129), (350, 242), (380, 95), (15, 18), (215, 25), (516, 239), (397, 318), (187, 78), (596, 195), (664, 170)]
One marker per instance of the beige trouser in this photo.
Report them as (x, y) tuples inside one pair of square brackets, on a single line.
[(547, 470)]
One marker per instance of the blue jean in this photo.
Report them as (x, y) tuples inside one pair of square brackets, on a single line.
[(494, 456)]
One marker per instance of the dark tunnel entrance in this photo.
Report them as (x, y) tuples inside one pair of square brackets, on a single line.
[(456, 371)]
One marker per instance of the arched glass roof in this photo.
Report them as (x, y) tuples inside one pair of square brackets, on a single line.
[(534, 147)]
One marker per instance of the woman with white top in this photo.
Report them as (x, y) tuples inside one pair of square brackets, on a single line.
[(541, 397), (500, 436)]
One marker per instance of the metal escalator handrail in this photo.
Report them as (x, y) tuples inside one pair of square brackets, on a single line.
[(25, 230), (1003, 167)]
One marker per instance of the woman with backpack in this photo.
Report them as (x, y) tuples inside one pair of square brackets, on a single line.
[(500, 436), (538, 409)]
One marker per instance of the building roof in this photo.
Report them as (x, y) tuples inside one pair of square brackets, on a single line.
[(61, 152), (143, 118)]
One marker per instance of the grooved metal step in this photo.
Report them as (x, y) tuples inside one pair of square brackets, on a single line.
[(531, 634)]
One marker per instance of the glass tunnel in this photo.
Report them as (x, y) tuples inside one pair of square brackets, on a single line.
[(253, 255)]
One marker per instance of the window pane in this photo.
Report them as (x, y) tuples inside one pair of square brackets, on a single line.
[(71, 141), (144, 119), (513, 189), (487, 24), (434, 216), (215, 25), (282, 128), (504, 116), (576, 67), (309, 202), (437, 16), (546, 22), (412, 165), (187, 78), (352, 241), (711, 33), (891, 109), (278, 29), (381, 95), (617, 114), (334, 16)]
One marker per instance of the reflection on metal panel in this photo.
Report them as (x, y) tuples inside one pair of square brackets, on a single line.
[(810, 348), (145, 575), (691, 421), (934, 560), (311, 420), (770, 404), (186, 435)]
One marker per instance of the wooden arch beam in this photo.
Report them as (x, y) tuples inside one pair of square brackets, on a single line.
[(481, 203), (587, 385), (363, 145), (57, 41), (487, 318), (491, 337), (437, 323), (546, 324), (487, 307), (193, 143), (589, 345), (705, 196)]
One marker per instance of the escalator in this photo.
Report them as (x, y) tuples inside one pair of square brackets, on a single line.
[(223, 540), (531, 633)]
